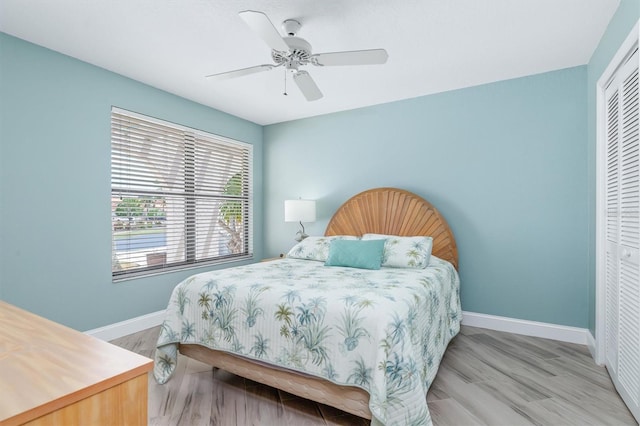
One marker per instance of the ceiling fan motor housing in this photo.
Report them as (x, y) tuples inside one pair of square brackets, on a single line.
[(299, 53)]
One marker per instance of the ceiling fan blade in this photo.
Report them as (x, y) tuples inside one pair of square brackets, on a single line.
[(239, 73), (260, 23), (307, 86), (354, 57)]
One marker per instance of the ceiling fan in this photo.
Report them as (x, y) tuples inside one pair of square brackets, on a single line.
[(293, 52)]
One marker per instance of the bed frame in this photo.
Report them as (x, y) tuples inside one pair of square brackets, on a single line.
[(387, 211)]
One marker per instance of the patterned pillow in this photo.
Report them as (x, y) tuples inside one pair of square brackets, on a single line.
[(404, 252), (315, 248)]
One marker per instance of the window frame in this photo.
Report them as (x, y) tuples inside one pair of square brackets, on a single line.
[(190, 261)]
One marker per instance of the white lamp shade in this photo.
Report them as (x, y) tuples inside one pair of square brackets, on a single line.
[(299, 210)]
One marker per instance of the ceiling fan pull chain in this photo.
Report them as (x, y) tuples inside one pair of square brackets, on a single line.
[(285, 83)]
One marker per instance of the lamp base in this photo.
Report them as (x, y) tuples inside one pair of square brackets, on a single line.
[(300, 235)]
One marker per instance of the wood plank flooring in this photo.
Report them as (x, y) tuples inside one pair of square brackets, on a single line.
[(486, 378)]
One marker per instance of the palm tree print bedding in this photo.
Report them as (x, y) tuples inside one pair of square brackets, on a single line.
[(384, 331)]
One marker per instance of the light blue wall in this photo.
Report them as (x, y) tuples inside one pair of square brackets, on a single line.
[(55, 243), (506, 163), (621, 24), (511, 165)]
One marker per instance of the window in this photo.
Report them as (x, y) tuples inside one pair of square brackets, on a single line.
[(179, 196)]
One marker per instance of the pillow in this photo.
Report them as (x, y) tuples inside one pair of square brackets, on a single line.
[(356, 254), (404, 252), (315, 248)]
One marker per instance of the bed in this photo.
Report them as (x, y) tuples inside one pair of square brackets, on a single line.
[(366, 341)]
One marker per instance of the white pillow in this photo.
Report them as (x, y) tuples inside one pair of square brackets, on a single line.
[(315, 248), (404, 252)]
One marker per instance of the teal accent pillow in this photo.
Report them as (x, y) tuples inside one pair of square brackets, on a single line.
[(356, 254)]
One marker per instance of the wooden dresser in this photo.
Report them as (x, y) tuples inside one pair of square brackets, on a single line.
[(53, 375)]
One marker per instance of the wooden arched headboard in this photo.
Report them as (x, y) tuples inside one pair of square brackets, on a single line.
[(394, 211)]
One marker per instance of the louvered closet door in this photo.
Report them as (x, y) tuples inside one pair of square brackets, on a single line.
[(622, 332), (612, 228)]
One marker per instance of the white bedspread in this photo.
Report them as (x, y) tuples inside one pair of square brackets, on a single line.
[(384, 331)]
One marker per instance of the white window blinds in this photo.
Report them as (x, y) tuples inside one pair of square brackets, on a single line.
[(179, 196)]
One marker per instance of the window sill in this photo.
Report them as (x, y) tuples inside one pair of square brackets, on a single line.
[(171, 269)]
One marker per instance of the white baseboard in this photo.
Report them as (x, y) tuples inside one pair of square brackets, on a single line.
[(563, 333), (527, 328), (123, 328), (591, 344)]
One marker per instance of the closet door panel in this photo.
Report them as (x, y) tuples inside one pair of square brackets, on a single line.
[(629, 283), (612, 220), (622, 232)]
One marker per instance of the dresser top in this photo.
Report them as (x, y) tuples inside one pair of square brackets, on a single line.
[(45, 366)]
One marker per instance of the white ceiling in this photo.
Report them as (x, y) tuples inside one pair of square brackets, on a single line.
[(433, 45)]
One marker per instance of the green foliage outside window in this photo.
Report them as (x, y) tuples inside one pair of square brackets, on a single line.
[(231, 214)]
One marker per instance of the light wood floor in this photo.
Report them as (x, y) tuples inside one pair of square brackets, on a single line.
[(486, 378)]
